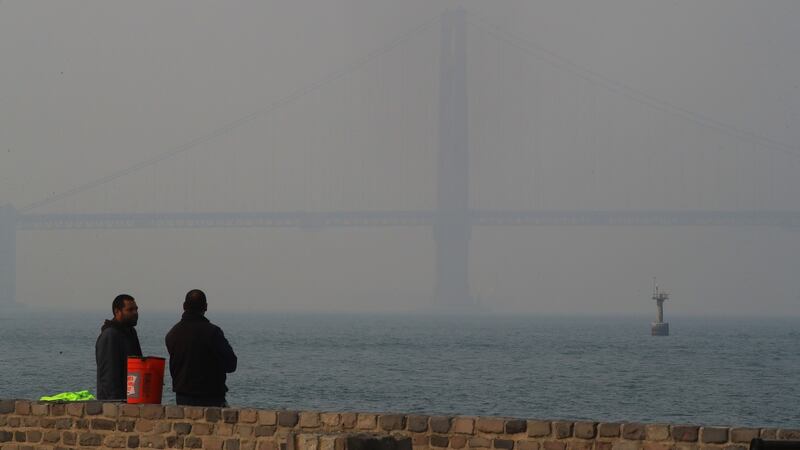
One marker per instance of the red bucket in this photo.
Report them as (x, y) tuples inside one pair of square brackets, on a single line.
[(145, 379)]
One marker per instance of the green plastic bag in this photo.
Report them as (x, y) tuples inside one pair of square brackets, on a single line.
[(77, 396)]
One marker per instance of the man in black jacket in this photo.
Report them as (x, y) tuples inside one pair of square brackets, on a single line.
[(117, 341), (199, 356)]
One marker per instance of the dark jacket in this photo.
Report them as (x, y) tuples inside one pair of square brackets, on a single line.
[(115, 343), (199, 357)]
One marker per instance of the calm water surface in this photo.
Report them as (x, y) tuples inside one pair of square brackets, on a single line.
[(710, 371)]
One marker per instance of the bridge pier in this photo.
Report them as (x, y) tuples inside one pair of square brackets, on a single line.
[(8, 255), (451, 228)]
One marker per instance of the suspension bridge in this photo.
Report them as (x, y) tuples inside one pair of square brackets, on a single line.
[(462, 142)]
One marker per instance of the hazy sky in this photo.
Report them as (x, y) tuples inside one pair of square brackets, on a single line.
[(573, 105)]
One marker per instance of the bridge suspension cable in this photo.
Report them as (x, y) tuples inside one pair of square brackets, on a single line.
[(233, 125)]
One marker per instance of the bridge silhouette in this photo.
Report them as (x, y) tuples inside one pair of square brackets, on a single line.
[(454, 215)]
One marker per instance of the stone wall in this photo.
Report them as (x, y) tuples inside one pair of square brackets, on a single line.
[(94, 425)]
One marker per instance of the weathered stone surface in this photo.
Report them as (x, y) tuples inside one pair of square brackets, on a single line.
[(554, 445), (713, 435), (192, 442), (769, 433), (110, 410), (789, 434), (29, 421), (6, 436), (133, 441), (6, 406), (22, 407), (231, 444), (145, 425), (75, 409), (244, 431), (603, 445), (538, 428), (152, 441), (249, 445), (479, 442), (307, 442), (173, 412), (744, 434), (267, 417), (14, 422), (327, 442), (264, 430), (349, 420), (330, 420), (33, 436), (82, 424), (417, 424), (193, 412), (440, 424), (585, 430), (58, 409), (458, 441), (248, 416), (69, 438), (223, 429), (182, 428), (489, 425), (514, 426), (51, 437), (420, 440), (309, 420), (267, 445), (463, 425), (90, 439), (684, 433), (527, 445), (391, 422), (230, 415), (128, 410), (40, 409), (103, 424), (580, 445), (213, 415), (213, 443), (625, 446), (657, 446), (366, 421), (288, 419), (174, 441), (115, 441), (126, 425), (439, 441), (656, 432), (562, 430), (202, 429), (504, 444), (633, 431), (94, 408)]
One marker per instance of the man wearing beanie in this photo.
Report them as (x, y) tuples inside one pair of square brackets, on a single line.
[(199, 356)]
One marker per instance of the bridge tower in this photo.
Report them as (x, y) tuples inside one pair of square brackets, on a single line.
[(451, 229), (8, 255)]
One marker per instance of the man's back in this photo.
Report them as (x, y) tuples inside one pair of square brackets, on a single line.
[(199, 357)]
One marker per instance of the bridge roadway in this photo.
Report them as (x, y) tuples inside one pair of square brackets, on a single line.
[(316, 220)]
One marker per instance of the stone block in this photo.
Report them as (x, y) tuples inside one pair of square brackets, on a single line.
[(175, 441), (464, 425), (213, 443), (744, 434), (29, 422), (307, 442), (769, 433), (527, 445), (82, 424), (479, 442), (656, 432), (51, 437), (14, 422), (247, 444), (503, 444), (173, 412), (288, 419), (40, 409), (538, 428), (579, 445), (684, 433), (133, 441), (126, 410), (231, 444), (349, 420), (248, 416), (366, 421), (145, 425), (489, 425), (621, 445), (515, 426), (267, 445), (309, 419), (103, 424), (22, 407), (327, 443), (110, 410), (417, 424), (192, 442), (202, 429), (213, 415), (152, 441), (713, 435), (244, 431), (69, 438), (440, 424), (562, 430), (75, 409), (94, 408), (64, 423), (420, 440), (193, 412), (554, 445), (6, 436), (585, 430), (224, 429), (126, 425), (330, 420), (267, 418), (264, 430), (7, 406), (115, 441), (633, 431), (58, 409), (458, 441), (439, 441), (603, 445), (182, 428), (657, 446), (19, 436), (90, 439), (392, 422), (230, 415)]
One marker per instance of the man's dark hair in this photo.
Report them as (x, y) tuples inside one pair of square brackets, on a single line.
[(119, 303), (195, 301)]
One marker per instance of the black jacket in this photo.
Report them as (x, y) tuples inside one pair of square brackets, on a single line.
[(115, 343), (199, 357)]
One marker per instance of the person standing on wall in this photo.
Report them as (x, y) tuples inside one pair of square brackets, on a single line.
[(199, 356), (117, 341)]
